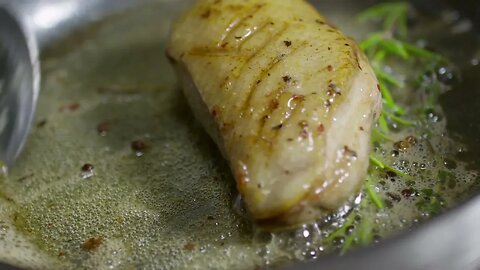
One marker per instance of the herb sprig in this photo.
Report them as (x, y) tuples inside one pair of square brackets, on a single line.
[(382, 48)]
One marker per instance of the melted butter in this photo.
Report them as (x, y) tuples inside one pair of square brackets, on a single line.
[(171, 207)]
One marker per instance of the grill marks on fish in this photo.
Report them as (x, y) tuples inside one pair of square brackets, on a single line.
[(228, 37), (241, 40), (265, 70), (277, 37), (245, 62), (263, 131), (297, 102), (265, 73)]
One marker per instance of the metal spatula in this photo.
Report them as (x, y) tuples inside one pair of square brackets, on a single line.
[(25, 28), (19, 85)]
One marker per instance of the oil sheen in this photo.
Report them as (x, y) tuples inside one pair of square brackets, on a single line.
[(117, 174)]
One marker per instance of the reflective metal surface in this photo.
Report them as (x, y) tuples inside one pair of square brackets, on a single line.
[(53, 19), (19, 84), (25, 28), (450, 241)]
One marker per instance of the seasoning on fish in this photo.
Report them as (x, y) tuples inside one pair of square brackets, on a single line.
[(288, 99)]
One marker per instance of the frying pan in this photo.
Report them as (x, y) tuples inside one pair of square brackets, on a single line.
[(449, 241)]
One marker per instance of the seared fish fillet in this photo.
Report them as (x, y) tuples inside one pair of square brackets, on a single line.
[(287, 97)]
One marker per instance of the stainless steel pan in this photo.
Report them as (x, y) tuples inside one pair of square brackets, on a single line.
[(450, 241)]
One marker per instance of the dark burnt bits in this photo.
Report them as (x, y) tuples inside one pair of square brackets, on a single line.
[(287, 43), (286, 78), (42, 123), (264, 119), (103, 128), (298, 98), (303, 134), (409, 192), (333, 90), (189, 247), (304, 129), (214, 113), (327, 103), (72, 107), (139, 147), (87, 171), (87, 167), (321, 129), (274, 104), (92, 244)]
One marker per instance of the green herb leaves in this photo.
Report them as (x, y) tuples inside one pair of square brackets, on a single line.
[(388, 49), (393, 16)]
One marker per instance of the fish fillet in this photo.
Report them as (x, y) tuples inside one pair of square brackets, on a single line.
[(287, 97)]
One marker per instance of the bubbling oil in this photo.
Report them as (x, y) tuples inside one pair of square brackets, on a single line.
[(172, 206), (431, 166)]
